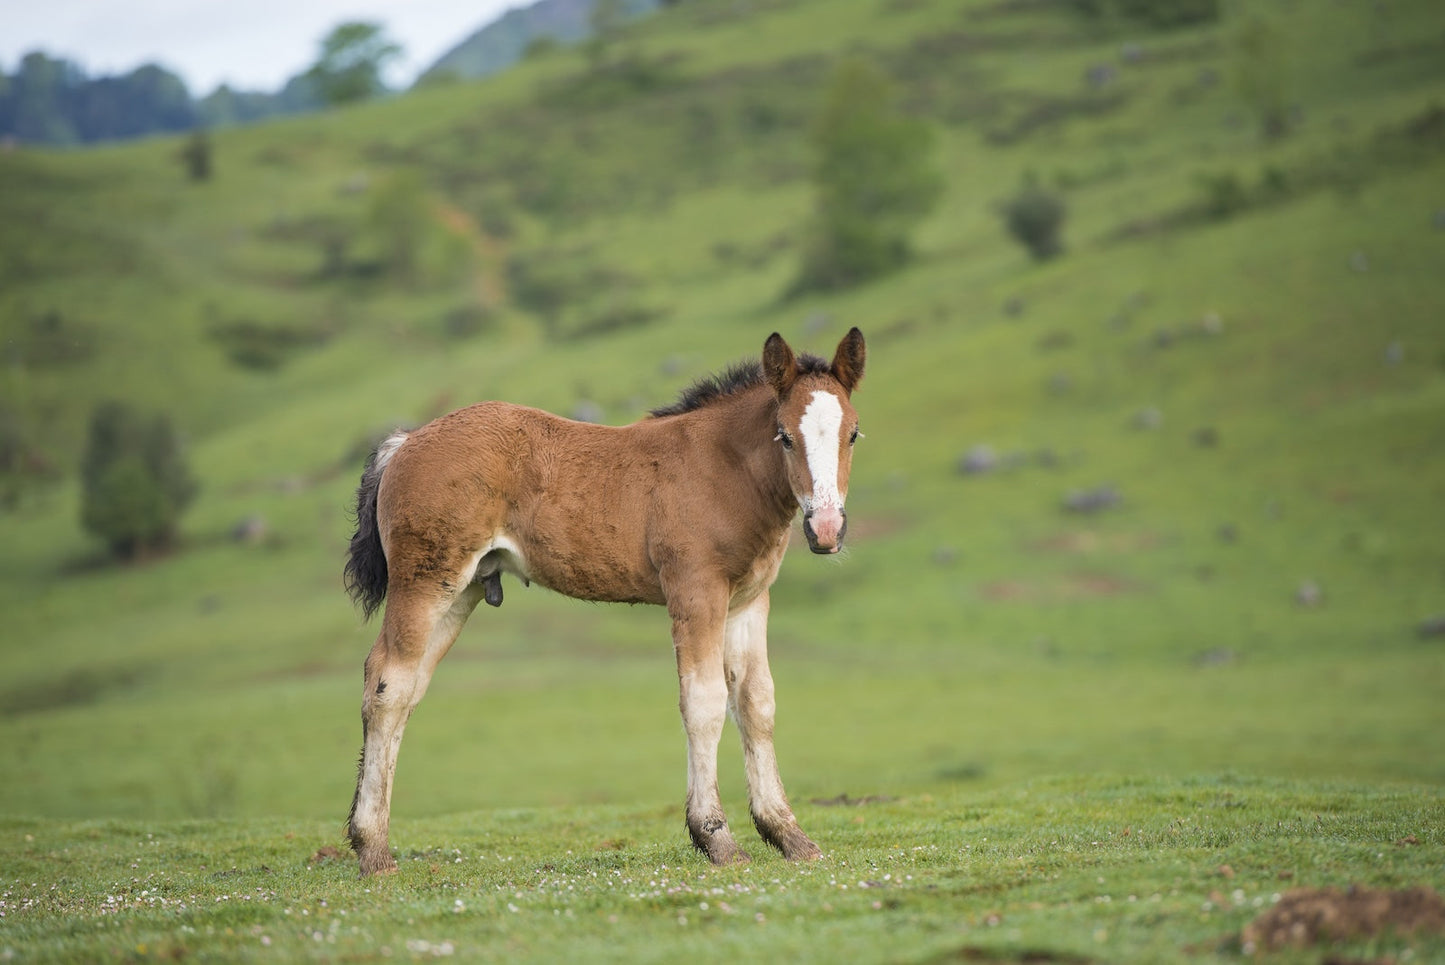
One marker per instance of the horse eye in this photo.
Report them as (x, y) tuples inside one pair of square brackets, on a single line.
[(854, 437), (784, 438)]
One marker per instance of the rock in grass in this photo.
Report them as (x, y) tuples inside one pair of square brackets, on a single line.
[(1099, 76), (1147, 418), (250, 530), (978, 460), (1309, 594), (1093, 500), (1432, 627)]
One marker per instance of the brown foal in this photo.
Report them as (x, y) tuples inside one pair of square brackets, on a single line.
[(688, 509)]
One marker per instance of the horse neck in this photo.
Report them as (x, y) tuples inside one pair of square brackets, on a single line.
[(747, 423)]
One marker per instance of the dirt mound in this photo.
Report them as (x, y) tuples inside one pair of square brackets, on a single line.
[(1305, 916)]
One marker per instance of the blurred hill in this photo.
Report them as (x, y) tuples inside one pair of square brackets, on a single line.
[(54, 101), (501, 43), (1168, 500)]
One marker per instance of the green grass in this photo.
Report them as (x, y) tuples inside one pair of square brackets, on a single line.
[(994, 667), (1081, 869)]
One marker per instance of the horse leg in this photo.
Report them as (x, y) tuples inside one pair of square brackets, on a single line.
[(698, 641), (750, 698), (415, 634)]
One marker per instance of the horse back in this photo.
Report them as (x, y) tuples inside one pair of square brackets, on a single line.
[(569, 502)]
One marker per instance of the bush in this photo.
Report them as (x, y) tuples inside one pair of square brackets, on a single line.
[(1261, 68), (264, 348), (134, 480), (1223, 195), (195, 155), (415, 245), (1035, 217)]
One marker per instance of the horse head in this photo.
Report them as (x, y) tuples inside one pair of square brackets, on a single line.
[(817, 427)]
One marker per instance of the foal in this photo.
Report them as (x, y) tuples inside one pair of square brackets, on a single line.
[(688, 509)]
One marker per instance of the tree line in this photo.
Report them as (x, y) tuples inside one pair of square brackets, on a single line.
[(51, 100)]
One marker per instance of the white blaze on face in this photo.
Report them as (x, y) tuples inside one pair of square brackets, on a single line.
[(821, 429)]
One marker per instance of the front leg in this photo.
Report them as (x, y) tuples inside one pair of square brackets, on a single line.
[(750, 693), (697, 636)]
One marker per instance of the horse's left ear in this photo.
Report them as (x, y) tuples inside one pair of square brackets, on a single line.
[(848, 360)]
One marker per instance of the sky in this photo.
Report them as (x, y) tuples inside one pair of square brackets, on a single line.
[(250, 44)]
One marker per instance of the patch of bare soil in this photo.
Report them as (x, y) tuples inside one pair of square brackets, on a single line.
[(843, 800), (1306, 916), (974, 953), (1076, 586), (325, 855), (1083, 541)]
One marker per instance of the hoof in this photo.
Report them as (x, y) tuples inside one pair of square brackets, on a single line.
[(373, 863), (725, 857), (805, 850), (790, 840), (379, 872), (713, 839)]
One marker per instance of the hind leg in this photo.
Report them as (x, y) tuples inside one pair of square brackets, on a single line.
[(415, 635)]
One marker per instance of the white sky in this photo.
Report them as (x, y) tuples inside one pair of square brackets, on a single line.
[(249, 44)]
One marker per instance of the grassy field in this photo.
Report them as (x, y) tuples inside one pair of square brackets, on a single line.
[(1061, 869), (1077, 737)]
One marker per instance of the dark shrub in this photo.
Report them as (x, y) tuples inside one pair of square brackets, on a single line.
[(134, 480), (1035, 217)]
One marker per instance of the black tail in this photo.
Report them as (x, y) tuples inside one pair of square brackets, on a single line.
[(365, 572)]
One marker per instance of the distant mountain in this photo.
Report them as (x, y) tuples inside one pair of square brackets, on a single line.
[(502, 43)]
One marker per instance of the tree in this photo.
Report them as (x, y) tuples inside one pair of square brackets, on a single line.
[(1261, 55), (874, 181), (605, 20), (352, 58), (134, 480), (401, 220), (1035, 218), (195, 155)]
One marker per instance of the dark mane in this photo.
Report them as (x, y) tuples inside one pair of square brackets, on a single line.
[(742, 375)]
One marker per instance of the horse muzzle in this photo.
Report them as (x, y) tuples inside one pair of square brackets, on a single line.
[(825, 529)]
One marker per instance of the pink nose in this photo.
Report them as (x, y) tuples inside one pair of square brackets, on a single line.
[(825, 529)]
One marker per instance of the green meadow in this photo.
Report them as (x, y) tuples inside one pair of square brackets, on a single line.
[(1018, 732)]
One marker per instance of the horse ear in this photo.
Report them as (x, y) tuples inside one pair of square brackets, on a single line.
[(848, 360), (779, 366)]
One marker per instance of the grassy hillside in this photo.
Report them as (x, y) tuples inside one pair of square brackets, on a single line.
[(1243, 339)]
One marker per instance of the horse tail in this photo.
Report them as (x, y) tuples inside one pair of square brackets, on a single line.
[(365, 572)]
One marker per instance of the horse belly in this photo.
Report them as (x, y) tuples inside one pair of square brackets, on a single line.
[(598, 578), (598, 561)]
